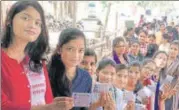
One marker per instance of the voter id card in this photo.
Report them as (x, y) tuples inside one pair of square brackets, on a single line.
[(81, 99)]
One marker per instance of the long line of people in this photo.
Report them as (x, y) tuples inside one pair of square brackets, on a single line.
[(142, 72)]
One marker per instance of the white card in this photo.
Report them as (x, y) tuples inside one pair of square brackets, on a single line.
[(144, 93), (101, 87), (81, 99), (168, 79), (152, 87), (140, 107), (128, 96)]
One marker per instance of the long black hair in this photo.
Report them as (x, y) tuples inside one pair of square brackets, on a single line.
[(35, 50), (59, 82)]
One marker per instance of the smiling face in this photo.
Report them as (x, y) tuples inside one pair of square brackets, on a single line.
[(89, 64), (142, 38), (106, 75), (121, 78), (72, 52), (173, 52), (120, 48), (161, 60), (27, 25), (148, 70)]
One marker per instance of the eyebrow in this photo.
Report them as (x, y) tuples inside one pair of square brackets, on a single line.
[(24, 13)]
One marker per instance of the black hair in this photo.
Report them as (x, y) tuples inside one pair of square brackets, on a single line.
[(152, 36), (120, 67), (135, 64), (159, 52), (117, 40), (146, 33), (59, 82), (175, 42), (105, 62), (36, 49), (90, 52), (146, 61), (137, 30), (133, 42), (166, 37)]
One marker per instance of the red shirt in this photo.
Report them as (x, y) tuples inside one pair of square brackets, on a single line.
[(15, 94)]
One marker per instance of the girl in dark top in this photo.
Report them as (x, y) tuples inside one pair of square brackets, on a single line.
[(65, 75), (119, 48), (152, 47)]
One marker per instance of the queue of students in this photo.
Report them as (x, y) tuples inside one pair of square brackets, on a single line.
[(29, 84)]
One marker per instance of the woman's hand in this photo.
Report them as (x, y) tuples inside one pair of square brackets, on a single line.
[(130, 105), (62, 103), (110, 103)]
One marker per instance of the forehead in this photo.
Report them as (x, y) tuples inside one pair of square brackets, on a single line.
[(109, 67), (122, 72), (79, 42), (151, 64), (89, 58), (134, 68), (31, 12), (174, 46), (161, 55)]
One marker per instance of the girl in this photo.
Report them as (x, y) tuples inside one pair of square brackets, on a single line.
[(172, 69), (65, 75), (135, 54), (119, 49), (160, 59), (25, 83), (105, 74), (143, 42)]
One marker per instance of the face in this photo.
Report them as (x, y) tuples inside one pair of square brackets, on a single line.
[(121, 78), (120, 48), (161, 60), (131, 33), (106, 75), (72, 52), (88, 63), (162, 28), (27, 25), (173, 52), (135, 48), (148, 70), (134, 75), (151, 40), (142, 37)]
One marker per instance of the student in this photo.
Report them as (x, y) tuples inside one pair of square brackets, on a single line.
[(119, 49), (24, 77), (160, 59), (165, 45), (148, 68), (105, 74), (89, 62), (172, 69), (135, 54), (143, 42), (65, 75), (120, 83), (133, 77), (159, 34), (152, 47), (173, 63)]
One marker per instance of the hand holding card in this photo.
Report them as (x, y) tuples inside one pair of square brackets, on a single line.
[(101, 87), (81, 99), (128, 96)]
